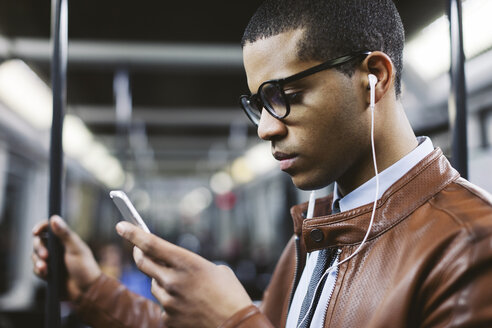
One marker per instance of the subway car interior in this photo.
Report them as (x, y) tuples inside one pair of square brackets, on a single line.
[(152, 108)]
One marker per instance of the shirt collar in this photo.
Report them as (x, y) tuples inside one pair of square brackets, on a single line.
[(364, 194)]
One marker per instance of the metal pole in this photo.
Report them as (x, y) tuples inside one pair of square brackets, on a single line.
[(457, 98), (123, 106), (56, 277)]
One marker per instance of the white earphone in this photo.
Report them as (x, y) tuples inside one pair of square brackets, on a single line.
[(373, 80)]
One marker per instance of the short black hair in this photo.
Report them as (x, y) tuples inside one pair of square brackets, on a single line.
[(333, 28)]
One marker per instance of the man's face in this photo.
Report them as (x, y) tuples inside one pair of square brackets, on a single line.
[(326, 134)]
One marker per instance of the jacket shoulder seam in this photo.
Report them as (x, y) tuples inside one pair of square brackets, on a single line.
[(460, 222), (465, 184), (453, 216)]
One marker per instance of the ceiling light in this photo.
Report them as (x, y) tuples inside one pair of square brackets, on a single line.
[(477, 28), (221, 183), (259, 158), (241, 171), (195, 202), (429, 52), (104, 167), (77, 139), (25, 93)]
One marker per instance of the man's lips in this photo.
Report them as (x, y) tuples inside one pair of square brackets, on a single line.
[(286, 160)]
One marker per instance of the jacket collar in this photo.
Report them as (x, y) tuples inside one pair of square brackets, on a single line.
[(347, 228)]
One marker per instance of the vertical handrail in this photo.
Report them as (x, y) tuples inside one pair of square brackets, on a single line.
[(457, 98), (59, 35)]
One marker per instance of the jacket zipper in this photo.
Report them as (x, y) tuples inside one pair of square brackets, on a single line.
[(335, 258), (296, 273)]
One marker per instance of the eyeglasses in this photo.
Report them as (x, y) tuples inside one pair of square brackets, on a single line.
[(271, 94)]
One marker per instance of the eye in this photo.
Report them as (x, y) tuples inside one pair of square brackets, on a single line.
[(294, 97)]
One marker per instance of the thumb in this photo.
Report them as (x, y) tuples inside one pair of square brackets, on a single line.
[(68, 238)]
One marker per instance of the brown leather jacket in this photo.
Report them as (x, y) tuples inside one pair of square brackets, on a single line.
[(427, 262)]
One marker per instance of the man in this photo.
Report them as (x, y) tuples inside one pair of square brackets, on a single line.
[(423, 260)]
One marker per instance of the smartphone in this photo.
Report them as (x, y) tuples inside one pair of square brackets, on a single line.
[(127, 209)]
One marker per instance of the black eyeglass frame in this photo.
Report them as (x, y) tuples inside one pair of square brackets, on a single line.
[(263, 103)]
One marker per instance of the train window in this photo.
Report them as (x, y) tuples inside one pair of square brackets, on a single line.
[(14, 173)]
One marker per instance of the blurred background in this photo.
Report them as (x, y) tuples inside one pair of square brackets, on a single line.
[(152, 108)]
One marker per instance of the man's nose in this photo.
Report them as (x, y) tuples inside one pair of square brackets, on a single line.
[(270, 127)]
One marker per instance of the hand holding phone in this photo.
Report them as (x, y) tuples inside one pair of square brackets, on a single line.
[(127, 209)]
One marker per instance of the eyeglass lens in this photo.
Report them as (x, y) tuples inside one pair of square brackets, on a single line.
[(252, 109), (273, 97)]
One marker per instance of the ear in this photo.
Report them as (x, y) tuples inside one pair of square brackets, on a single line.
[(379, 64)]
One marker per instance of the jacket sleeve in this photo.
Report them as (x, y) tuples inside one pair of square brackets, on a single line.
[(249, 317), (459, 291), (107, 303)]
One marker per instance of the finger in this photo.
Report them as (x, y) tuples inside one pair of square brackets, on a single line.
[(154, 246), (164, 298), (40, 268), (162, 274), (60, 228), (69, 239), (39, 248), (39, 228), (166, 319)]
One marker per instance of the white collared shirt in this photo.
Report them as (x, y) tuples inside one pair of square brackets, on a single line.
[(364, 194)]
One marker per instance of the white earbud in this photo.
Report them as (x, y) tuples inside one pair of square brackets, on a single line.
[(373, 80)]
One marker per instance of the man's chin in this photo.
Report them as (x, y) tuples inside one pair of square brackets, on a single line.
[(305, 183)]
